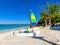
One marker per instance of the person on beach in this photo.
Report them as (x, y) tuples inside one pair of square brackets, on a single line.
[(13, 33)]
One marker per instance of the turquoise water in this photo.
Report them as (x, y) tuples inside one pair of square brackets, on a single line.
[(11, 27)]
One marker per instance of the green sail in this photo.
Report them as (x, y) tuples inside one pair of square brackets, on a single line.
[(33, 19)]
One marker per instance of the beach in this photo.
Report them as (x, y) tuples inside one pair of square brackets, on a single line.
[(46, 37), (5, 35)]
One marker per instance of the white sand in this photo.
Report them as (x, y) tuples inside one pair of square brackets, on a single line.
[(46, 37), (5, 35)]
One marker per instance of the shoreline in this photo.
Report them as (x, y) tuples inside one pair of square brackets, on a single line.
[(8, 30)]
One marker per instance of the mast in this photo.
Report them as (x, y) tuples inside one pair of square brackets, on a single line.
[(28, 11), (30, 18)]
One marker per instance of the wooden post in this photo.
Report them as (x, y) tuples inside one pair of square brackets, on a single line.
[(50, 22), (45, 23)]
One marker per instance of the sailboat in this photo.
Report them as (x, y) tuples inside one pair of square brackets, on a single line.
[(33, 20)]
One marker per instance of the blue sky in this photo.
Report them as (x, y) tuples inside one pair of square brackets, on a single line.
[(15, 11)]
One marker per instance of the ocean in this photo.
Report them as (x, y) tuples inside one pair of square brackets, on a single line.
[(12, 27)]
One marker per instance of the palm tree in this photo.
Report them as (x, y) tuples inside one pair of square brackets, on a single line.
[(51, 11)]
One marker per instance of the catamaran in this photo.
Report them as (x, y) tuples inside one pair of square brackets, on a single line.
[(30, 31)]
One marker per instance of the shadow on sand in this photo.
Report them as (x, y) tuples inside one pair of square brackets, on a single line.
[(41, 38)]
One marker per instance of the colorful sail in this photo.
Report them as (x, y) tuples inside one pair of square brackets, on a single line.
[(33, 20)]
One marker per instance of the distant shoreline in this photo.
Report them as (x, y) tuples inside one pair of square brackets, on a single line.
[(14, 24), (12, 27)]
